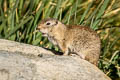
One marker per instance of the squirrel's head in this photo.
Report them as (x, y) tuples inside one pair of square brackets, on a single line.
[(48, 25)]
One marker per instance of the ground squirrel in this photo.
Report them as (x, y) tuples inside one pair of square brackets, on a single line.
[(70, 39)]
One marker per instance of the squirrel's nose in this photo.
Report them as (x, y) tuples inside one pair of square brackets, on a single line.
[(38, 27)]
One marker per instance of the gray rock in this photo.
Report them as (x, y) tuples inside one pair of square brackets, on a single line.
[(20, 62)]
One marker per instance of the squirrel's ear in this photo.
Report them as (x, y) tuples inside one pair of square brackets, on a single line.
[(56, 22)]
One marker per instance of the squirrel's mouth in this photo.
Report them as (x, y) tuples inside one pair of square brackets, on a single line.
[(42, 31), (44, 34)]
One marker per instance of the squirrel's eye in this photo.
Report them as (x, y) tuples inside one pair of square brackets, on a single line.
[(47, 23)]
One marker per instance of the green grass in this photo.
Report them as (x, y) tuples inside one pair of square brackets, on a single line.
[(19, 19)]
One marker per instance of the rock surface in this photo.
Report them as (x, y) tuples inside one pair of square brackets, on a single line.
[(20, 61)]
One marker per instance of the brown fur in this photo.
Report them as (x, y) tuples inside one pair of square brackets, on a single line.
[(73, 39)]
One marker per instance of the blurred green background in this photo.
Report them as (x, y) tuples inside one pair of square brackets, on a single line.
[(19, 19)]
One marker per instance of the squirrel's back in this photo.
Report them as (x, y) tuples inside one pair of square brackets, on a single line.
[(84, 42)]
